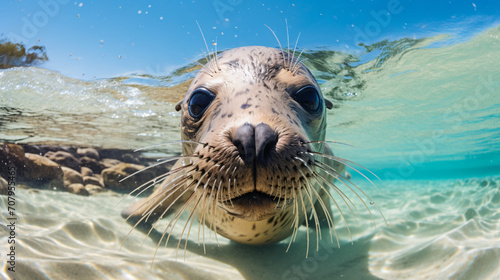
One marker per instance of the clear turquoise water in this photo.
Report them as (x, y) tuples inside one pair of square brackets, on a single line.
[(413, 108), (424, 115)]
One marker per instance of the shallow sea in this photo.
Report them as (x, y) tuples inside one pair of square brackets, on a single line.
[(424, 115)]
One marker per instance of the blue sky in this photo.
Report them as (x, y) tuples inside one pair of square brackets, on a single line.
[(102, 39)]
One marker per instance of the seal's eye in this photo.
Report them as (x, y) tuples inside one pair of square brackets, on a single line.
[(199, 102), (308, 97)]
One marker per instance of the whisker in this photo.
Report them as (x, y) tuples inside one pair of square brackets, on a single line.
[(236, 186), (328, 216), (344, 161), (288, 178), (341, 194), (215, 55), (338, 189), (191, 224), (151, 183), (215, 215), (307, 223), (203, 67), (278, 195), (205, 41), (292, 226), (330, 142), (336, 204), (294, 49), (213, 223), (279, 43), (204, 196), (191, 217), (314, 214), (165, 211), (285, 199), (154, 202), (336, 175), (162, 177), (358, 188), (210, 195), (203, 218), (295, 221), (284, 181), (228, 186), (234, 182), (296, 66), (288, 45), (154, 165), (175, 218), (183, 179), (169, 143)]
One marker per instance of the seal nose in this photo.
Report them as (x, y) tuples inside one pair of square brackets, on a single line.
[(255, 143), (244, 140), (265, 141)]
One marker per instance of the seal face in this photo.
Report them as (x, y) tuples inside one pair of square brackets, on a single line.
[(255, 163)]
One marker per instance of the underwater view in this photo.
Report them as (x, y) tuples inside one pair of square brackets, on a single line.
[(90, 124)]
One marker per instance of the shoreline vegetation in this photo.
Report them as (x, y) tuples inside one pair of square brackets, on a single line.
[(17, 54)]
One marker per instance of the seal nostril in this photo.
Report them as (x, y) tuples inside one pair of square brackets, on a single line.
[(244, 140), (265, 141), (255, 144)]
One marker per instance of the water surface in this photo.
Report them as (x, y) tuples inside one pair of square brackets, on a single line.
[(423, 114)]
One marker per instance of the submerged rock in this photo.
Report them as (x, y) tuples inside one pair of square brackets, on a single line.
[(112, 176), (77, 189), (71, 176), (130, 158), (4, 186), (92, 164), (42, 170), (93, 189), (110, 162), (64, 159), (15, 151), (91, 180), (87, 171), (77, 170), (88, 152), (11, 155)]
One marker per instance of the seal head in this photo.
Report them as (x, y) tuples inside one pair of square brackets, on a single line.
[(253, 121)]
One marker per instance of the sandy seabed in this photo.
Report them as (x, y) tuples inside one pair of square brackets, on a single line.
[(444, 229)]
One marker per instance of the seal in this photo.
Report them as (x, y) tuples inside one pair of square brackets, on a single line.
[(255, 163)]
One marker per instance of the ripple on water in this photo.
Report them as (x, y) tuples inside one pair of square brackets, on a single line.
[(66, 236), (459, 239)]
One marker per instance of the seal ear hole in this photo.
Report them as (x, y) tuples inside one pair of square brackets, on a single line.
[(199, 101), (178, 106), (328, 104), (309, 98)]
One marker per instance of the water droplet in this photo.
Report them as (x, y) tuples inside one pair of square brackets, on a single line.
[(372, 203)]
